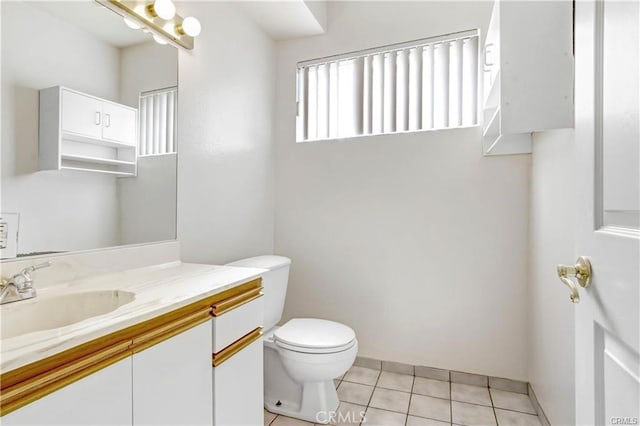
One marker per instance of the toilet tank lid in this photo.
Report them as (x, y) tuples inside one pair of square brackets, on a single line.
[(264, 262)]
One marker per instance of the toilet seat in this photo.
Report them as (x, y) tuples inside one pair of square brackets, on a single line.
[(314, 336)]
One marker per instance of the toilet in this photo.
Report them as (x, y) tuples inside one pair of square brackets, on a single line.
[(304, 355)]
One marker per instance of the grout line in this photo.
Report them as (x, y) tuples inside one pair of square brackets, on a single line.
[(450, 400), (370, 398), (493, 408)]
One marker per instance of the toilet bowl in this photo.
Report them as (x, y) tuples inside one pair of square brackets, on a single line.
[(304, 355)]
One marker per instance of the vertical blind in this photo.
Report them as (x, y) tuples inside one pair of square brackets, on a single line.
[(157, 122), (421, 85)]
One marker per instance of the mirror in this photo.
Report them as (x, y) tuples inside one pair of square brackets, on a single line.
[(99, 192)]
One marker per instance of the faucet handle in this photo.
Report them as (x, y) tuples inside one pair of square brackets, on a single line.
[(28, 270), (32, 268)]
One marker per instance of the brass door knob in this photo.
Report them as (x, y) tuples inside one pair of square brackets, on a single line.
[(581, 271)]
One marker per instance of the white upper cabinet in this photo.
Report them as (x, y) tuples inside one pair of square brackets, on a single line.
[(528, 73), (82, 132)]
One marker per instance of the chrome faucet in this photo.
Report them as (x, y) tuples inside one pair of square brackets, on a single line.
[(21, 283)]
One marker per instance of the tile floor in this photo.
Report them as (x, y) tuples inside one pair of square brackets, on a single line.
[(392, 399)]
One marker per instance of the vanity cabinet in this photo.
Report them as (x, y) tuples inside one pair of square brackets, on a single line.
[(171, 380), (527, 73), (102, 398), (166, 370), (78, 131)]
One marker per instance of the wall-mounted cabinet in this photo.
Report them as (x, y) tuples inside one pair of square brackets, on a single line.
[(528, 73), (83, 132)]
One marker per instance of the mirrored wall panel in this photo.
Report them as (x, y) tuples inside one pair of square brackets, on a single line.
[(89, 146)]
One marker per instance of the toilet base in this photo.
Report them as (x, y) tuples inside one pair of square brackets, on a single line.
[(319, 403), (314, 402)]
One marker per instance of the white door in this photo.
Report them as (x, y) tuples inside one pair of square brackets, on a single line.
[(119, 123), (102, 398), (81, 114), (172, 380), (607, 205)]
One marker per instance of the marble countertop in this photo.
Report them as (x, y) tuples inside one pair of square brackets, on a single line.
[(158, 289)]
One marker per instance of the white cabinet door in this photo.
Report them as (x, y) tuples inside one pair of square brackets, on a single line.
[(81, 114), (119, 123), (238, 388), (172, 380), (103, 398)]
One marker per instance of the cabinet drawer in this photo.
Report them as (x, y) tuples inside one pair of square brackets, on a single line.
[(236, 323)]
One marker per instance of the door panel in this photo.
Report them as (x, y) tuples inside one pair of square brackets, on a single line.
[(119, 123), (607, 140), (81, 114)]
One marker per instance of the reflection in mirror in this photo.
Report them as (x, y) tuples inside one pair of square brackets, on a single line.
[(621, 124), (64, 190)]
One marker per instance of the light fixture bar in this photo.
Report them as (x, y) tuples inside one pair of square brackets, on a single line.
[(137, 11)]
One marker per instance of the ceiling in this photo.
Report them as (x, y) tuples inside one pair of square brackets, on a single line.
[(284, 20), (93, 18)]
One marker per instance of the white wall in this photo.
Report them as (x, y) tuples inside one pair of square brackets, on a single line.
[(147, 203), (551, 322), (59, 210), (416, 241), (144, 67), (225, 159)]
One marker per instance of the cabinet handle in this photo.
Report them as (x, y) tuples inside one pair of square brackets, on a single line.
[(98, 118), (107, 120)]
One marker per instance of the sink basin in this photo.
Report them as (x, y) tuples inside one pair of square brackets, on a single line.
[(59, 311)]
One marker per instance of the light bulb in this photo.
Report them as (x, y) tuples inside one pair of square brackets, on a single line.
[(159, 39), (165, 9), (191, 26), (131, 24)]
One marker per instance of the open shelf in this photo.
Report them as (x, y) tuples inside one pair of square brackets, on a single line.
[(97, 160), (86, 169)]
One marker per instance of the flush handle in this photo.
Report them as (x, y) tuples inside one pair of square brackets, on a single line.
[(581, 271)]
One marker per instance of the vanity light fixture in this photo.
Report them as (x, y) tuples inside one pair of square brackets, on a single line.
[(190, 26), (158, 18), (131, 24), (159, 39), (165, 9)]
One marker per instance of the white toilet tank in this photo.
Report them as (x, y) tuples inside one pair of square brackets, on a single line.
[(274, 282)]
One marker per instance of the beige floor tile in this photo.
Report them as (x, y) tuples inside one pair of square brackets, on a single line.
[(391, 400), (433, 408), (347, 414), (377, 417), (395, 381), (431, 387), (513, 418), (354, 393), (512, 401), (268, 417), (288, 421), (423, 421), (468, 393), (472, 415), (362, 375)]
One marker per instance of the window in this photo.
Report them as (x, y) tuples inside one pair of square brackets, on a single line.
[(158, 111), (420, 85)]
